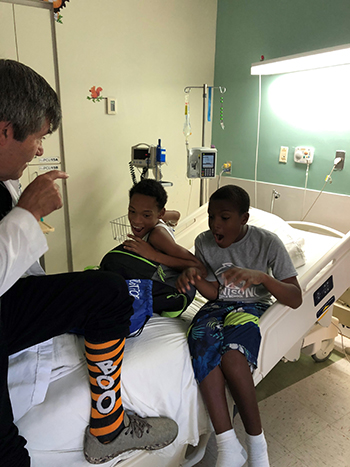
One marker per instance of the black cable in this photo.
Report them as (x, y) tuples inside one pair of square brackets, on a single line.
[(132, 172), (144, 173)]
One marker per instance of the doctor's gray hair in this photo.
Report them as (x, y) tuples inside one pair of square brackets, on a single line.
[(236, 195), (26, 100)]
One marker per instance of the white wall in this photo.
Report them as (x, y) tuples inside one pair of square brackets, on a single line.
[(143, 53), (330, 209)]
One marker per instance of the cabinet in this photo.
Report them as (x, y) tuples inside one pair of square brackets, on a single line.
[(26, 35)]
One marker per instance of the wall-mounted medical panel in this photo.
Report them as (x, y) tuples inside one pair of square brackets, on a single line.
[(304, 155)]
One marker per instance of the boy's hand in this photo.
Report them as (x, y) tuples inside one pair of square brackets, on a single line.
[(187, 277), (139, 246), (243, 278)]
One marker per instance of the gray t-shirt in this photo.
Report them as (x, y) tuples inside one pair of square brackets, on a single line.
[(259, 249)]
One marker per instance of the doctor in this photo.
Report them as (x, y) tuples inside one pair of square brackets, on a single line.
[(36, 307)]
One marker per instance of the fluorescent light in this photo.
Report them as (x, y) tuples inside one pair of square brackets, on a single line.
[(322, 58), (312, 100)]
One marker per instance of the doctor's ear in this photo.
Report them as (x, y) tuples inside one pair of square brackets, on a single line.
[(5, 131)]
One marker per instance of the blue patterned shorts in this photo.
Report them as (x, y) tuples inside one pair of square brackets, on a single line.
[(221, 326)]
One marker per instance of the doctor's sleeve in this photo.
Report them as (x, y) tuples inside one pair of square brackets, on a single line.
[(21, 244)]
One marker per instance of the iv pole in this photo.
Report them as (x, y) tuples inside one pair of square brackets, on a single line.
[(205, 89)]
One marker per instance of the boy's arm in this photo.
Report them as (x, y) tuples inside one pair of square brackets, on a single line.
[(192, 276), (171, 217), (287, 291), (170, 253)]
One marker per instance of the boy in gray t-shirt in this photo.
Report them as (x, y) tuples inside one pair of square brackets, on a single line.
[(259, 249), (247, 267)]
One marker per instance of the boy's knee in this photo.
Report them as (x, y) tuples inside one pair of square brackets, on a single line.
[(110, 318)]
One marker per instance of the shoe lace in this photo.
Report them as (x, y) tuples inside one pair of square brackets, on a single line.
[(137, 426)]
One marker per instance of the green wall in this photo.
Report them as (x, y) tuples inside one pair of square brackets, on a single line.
[(310, 108)]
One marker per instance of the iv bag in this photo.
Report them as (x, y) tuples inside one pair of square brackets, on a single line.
[(187, 130)]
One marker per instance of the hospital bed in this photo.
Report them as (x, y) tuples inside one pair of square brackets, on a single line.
[(157, 377)]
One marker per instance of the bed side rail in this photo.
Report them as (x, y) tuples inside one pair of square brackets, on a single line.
[(331, 258), (282, 327), (188, 228), (316, 228)]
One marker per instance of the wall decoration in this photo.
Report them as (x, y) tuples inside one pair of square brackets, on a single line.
[(57, 5), (95, 94)]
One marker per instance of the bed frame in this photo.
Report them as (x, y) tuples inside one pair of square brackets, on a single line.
[(284, 331)]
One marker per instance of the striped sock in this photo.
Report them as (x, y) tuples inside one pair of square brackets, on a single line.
[(104, 364)]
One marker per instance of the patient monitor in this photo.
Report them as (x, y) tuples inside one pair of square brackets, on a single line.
[(148, 156), (143, 155), (201, 163)]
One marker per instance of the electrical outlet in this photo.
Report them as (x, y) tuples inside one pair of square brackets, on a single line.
[(283, 154), (339, 164), (227, 167)]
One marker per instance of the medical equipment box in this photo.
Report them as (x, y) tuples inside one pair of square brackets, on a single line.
[(201, 163)]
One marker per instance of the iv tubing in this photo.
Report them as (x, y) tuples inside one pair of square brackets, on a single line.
[(306, 179), (320, 193)]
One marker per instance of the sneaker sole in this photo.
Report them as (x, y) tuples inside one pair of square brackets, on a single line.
[(101, 460)]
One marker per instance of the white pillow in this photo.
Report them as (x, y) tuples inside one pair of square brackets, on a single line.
[(292, 239)]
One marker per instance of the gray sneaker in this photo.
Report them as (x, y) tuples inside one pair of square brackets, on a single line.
[(149, 433)]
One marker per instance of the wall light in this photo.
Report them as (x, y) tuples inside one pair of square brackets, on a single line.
[(321, 58), (313, 100)]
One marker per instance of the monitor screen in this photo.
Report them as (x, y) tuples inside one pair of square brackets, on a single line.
[(208, 161), (141, 154)]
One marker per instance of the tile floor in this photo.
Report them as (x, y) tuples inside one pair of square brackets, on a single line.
[(305, 410)]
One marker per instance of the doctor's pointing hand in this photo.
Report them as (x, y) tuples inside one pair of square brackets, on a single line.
[(42, 196)]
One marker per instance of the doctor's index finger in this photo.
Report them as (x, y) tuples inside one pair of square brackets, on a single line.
[(55, 174)]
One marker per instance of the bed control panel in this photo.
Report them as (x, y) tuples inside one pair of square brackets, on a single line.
[(323, 290), (322, 311)]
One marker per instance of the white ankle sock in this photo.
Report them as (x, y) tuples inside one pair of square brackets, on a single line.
[(230, 451), (257, 451)]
